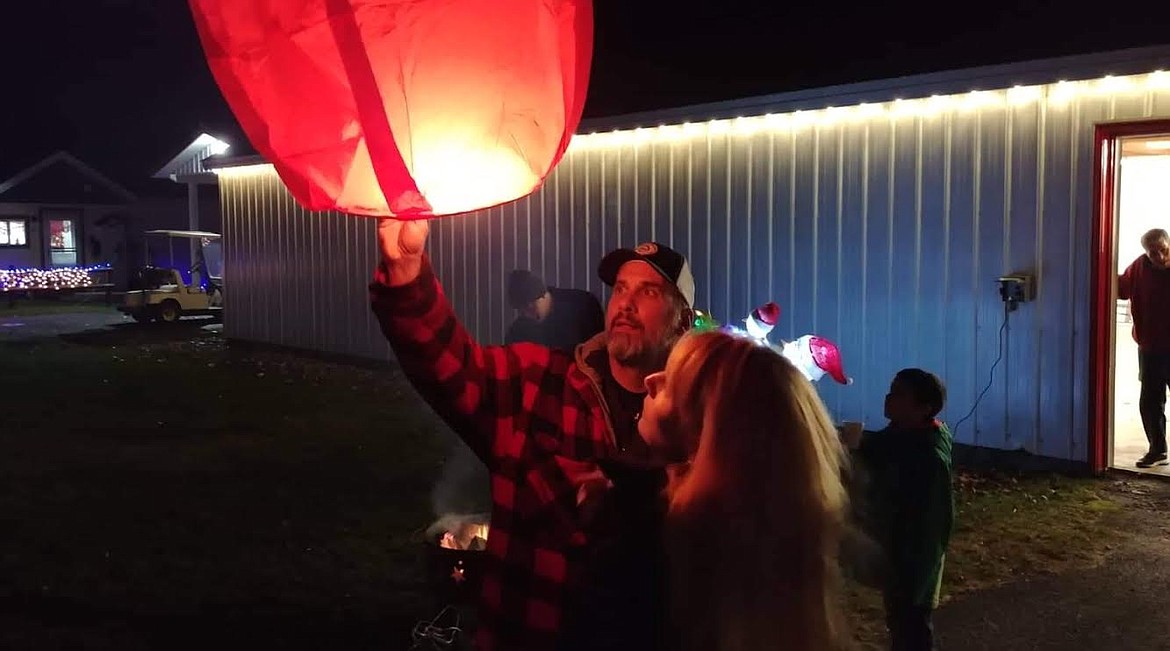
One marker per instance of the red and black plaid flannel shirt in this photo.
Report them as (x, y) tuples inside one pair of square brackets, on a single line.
[(536, 418)]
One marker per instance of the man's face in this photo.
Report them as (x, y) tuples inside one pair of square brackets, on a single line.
[(642, 323), (539, 309), (1159, 253)]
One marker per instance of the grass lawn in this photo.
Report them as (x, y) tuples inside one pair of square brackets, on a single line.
[(161, 490), (159, 493)]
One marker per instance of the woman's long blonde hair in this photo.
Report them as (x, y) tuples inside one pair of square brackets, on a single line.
[(756, 516)]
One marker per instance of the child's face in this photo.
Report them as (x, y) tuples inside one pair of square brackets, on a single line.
[(902, 407)]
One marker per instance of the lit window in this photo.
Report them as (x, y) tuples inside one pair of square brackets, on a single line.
[(62, 247), (13, 232)]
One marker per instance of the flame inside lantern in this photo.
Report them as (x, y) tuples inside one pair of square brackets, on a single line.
[(473, 537), (461, 532)]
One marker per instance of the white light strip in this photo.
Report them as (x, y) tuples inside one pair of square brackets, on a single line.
[(243, 170), (1055, 95)]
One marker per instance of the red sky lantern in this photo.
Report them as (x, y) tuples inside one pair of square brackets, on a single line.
[(411, 108)]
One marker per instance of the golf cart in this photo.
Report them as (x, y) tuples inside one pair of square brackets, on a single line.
[(160, 294)]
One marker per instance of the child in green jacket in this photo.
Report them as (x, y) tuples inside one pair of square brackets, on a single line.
[(909, 504)]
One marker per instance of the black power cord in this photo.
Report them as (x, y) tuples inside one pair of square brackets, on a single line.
[(1008, 306)]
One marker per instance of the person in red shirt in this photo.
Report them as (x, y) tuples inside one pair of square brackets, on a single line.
[(567, 566), (1146, 284)]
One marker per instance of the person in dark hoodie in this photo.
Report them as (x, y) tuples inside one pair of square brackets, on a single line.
[(908, 503), (559, 318)]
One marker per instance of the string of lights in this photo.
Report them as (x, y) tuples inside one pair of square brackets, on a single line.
[(19, 280), (1054, 96)]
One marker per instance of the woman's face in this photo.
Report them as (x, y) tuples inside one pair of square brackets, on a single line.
[(657, 424)]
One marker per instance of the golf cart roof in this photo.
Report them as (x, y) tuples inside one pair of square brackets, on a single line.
[(186, 234)]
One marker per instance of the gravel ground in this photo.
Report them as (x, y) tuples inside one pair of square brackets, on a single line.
[(1118, 605), (14, 328)]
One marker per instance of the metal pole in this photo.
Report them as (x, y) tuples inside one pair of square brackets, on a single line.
[(193, 224)]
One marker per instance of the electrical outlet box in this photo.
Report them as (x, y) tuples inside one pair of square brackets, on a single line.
[(1015, 289)]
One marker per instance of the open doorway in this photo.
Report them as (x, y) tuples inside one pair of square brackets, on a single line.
[(1142, 201)]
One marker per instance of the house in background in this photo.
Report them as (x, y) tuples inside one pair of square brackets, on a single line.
[(60, 212)]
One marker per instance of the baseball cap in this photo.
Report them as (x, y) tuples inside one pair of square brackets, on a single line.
[(671, 264), (524, 287)]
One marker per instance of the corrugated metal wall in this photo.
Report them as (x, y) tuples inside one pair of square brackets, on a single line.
[(882, 233)]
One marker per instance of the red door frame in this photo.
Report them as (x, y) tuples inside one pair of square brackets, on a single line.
[(1105, 155)]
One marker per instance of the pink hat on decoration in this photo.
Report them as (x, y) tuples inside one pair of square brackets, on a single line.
[(767, 314), (828, 358)]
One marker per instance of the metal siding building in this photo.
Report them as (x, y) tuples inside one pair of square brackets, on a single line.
[(877, 215)]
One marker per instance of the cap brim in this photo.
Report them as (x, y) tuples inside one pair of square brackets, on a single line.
[(611, 263)]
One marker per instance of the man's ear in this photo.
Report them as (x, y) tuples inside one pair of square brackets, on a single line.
[(688, 319)]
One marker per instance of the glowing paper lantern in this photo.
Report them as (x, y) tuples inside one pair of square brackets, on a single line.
[(411, 108)]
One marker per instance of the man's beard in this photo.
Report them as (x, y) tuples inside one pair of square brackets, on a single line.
[(636, 350)]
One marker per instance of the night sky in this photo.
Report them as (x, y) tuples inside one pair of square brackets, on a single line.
[(122, 83)]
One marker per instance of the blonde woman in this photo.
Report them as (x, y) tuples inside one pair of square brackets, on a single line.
[(756, 504)]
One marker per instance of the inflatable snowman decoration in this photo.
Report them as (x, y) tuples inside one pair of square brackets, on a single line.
[(760, 322), (814, 356)]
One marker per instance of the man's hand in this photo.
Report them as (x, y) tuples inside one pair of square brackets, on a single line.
[(590, 493), (402, 244), (591, 483)]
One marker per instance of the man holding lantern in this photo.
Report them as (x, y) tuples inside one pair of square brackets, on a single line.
[(493, 95), (569, 566)]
